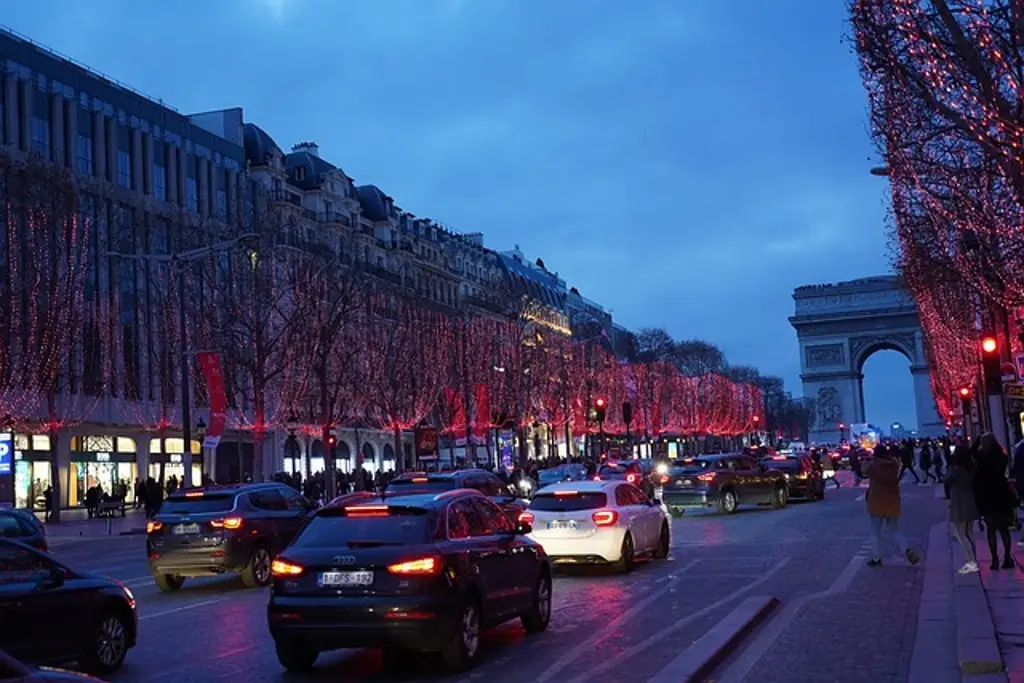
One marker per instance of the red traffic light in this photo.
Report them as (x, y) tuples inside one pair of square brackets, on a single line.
[(332, 440), (964, 392), (841, 425), (989, 344), (756, 419), (600, 403)]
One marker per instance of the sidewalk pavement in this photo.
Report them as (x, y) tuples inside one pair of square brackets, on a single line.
[(989, 611), (76, 525)]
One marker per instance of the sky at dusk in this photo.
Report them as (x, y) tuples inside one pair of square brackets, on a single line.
[(685, 164)]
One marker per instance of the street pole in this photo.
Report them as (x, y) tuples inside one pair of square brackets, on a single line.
[(186, 407)]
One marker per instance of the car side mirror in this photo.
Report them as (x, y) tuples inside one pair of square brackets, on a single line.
[(55, 578), (523, 528)]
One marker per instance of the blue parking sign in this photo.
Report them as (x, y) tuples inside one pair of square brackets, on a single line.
[(6, 454)]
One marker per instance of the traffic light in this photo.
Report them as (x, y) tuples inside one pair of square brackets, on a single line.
[(991, 365), (627, 412), (332, 441), (965, 393), (757, 419), (600, 408)]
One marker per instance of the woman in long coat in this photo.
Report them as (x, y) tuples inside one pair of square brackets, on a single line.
[(996, 502), (963, 509), (884, 505)]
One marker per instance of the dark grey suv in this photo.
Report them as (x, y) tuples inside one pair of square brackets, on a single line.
[(221, 530)]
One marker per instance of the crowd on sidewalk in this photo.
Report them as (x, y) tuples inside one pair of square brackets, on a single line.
[(979, 481)]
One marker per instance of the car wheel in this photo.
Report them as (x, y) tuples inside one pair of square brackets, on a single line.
[(780, 497), (727, 505), (168, 583), (628, 557), (664, 539), (257, 572), (295, 655), (538, 616), (108, 644), (463, 650)]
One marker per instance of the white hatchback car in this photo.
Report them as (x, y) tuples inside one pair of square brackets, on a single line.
[(598, 522)]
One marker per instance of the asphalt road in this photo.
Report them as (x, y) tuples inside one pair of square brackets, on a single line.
[(604, 627)]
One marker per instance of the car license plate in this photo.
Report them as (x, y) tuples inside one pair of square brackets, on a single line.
[(345, 579), (684, 482), (562, 524), (183, 529)]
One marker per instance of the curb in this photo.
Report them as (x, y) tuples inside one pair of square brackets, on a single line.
[(977, 646), (699, 660)]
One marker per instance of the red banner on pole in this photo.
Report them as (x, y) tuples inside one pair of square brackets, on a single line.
[(210, 363)]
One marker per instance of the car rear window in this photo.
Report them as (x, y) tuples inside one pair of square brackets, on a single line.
[(612, 471), (187, 505), (421, 485), (568, 502), (787, 464), (334, 528), (690, 467)]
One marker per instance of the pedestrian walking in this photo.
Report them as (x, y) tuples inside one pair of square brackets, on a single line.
[(907, 460), (963, 508), (925, 458), (997, 503), (884, 504)]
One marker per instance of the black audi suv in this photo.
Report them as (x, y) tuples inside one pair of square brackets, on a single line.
[(425, 572), (483, 481)]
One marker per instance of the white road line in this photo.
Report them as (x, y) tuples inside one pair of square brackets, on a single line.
[(742, 667), (612, 627), (183, 608), (619, 657)]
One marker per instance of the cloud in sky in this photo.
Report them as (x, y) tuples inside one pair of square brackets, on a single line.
[(686, 164)]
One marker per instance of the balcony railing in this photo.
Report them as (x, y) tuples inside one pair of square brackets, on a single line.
[(333, 217)]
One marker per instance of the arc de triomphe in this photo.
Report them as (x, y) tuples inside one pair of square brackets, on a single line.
[(839, 326)]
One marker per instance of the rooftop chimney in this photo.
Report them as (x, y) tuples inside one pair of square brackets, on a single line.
[(309, 147)]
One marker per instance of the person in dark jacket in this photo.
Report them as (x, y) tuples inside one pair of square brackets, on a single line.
[(925, 458), (995, 500), (907, 460), (963, 509)]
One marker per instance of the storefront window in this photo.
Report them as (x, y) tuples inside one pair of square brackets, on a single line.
[(104, 461), (173, 460), (31, 479), (174, 445), (31, 470)]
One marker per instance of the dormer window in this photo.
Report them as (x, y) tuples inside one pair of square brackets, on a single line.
[(300, 173)]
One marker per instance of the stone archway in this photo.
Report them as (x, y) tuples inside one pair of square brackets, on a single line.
[(839, 326)]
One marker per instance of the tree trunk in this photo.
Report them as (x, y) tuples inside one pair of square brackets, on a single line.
[(330, 467), (55, 498), (357, 472), (163, 456), (523, 447), (399, 453), (257, 453)]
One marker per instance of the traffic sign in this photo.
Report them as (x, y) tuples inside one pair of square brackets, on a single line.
[(1009, 372), (1013, 390)]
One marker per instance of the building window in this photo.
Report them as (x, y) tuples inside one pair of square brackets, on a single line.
[(83, 153), (124, 168), (222, 204), (191, 194), (159, 182), (41, 137)]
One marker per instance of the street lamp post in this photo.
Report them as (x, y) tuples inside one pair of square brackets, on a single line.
[(179, 263)]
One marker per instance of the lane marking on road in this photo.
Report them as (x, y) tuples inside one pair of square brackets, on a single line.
[(183, 608), (623, 655), (741, 668), (612, 627)]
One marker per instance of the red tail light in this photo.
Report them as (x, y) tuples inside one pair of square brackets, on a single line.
[(632, 478), (152, 526), (526, 518), (230, 523), (284, 569), (707, 476), (424, 566), (663, 479), (605, 517), (597, 478)]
